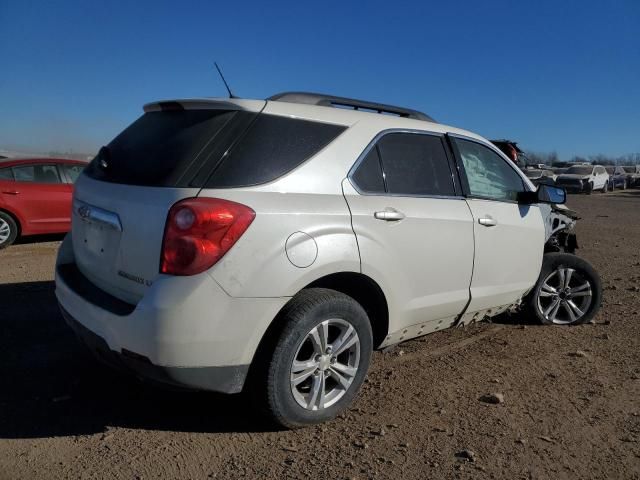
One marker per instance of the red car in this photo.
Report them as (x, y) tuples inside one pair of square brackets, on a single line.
[(35, 196)]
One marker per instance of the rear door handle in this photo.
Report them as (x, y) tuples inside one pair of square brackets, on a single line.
[(389, 215), (488, 221), (11, 192)]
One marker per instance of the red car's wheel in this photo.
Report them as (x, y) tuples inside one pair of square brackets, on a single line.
[(8, 230)]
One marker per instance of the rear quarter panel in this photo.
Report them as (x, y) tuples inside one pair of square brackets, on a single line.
[(259, 265)]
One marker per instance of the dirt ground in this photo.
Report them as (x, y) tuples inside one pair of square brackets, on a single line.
[(565, 414)]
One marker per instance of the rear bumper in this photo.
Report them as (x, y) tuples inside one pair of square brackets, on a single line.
[(229, 379), (184, 331)]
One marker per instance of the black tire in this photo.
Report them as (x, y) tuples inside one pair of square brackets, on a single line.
[(589, 188), (583, 273), (7, 221), (301, 315), (605, 187)]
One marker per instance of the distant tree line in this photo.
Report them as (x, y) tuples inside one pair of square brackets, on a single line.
[(551, 158)]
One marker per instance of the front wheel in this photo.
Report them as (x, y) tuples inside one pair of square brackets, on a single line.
[(605, 187), (568, 291), (320, 359), (589, 188)]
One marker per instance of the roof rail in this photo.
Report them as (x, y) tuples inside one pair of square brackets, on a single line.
[(342, 102)]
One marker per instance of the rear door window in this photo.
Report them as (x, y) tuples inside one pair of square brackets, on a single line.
[(37, 174), (368, 175), (272, 147), (416, 165), (6, 174)]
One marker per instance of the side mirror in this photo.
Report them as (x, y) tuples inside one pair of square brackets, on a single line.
[(550, 194), (544, 194)]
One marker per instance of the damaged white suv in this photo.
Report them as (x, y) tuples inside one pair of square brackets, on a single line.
[(227, 244)]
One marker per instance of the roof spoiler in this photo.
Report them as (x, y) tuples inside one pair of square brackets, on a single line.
[(205, 104)]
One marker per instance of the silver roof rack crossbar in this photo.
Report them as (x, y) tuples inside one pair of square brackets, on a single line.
[(342, 102)]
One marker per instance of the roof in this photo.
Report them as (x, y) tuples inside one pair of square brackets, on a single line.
[(348, 110)]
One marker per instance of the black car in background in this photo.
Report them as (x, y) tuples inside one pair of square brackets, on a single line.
[(617, 178), (633, 175), (538, 176)]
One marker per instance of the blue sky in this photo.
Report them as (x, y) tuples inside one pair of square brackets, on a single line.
[(554, 75)]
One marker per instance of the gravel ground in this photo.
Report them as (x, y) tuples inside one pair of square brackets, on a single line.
[(571, 395)]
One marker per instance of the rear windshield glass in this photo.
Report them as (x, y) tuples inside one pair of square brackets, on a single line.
[(272, 147), (212, 148), (158, 148)]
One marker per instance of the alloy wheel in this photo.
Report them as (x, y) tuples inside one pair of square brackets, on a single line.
[(325, 364), (5, 231), (565, 296)]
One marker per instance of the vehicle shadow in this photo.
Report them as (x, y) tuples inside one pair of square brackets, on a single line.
[(51, 386), (50, 237), (625, 193), (519, 318)]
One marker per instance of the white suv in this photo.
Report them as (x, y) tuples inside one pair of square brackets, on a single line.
[(227, 244)]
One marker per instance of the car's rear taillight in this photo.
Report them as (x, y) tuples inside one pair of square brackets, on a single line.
[(199, 231)]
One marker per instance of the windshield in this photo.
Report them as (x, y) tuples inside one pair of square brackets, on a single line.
[(630, 169), (578, 170), (610, 169)]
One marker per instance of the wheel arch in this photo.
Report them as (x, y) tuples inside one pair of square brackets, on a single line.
[(362, 288)]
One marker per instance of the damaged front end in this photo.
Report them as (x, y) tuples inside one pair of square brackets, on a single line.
[(559, 223)]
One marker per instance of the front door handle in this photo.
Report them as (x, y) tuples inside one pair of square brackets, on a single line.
[(389, 215), (488, 221), (11, 192)]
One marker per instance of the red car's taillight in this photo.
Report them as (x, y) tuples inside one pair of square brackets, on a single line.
[(199, 231)]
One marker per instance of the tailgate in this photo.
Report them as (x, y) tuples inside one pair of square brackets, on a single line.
[(117, 233)]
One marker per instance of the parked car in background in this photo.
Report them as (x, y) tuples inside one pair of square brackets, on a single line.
[(584, 178), (35, 196), (633, 175), (377, 228), (559, 170), (617, 178), (540, 176)]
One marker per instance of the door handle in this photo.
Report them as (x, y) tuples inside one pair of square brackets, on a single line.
[(11, 192), (389, 215), (488, 221)]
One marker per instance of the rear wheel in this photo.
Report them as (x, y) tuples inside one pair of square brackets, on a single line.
[(568, 291), (605, 187), (8, 230), (320, 359)]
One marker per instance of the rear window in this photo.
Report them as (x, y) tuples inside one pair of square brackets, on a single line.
[(158, 148), (212, 148), (272, 147)]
